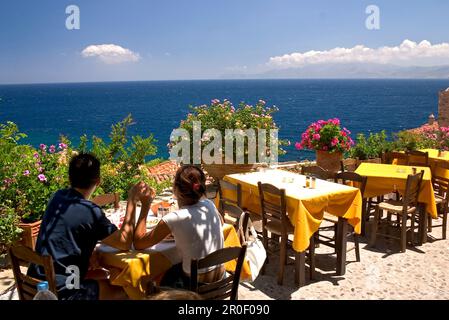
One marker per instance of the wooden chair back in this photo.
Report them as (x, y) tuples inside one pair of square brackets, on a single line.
[(441, 182), (226, 287), (417, 158), (345, 177), (106, 199), (232, 211), (276, 212), (318, 172), (236, 189), (412, 189), (388, 157), (243, 230), (26, 285), (211, 191), (349, 164)]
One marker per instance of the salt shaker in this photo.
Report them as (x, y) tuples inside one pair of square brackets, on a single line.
[(313, 182)]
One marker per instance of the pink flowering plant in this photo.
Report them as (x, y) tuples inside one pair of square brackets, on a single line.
[(29, 176), (326, 136), (433, 137), (222, 115)]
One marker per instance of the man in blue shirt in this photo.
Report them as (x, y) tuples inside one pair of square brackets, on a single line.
[(72, 226)]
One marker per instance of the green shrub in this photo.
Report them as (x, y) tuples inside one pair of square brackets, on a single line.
[(371, 147), (29, 176), (9, 229)]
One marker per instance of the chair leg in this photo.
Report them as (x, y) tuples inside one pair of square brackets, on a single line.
[(282, 260), (375, 226), (429, 224), (413, 227), (312, 258), (404, 232), (265, 244), (444, 224), (357, 247)]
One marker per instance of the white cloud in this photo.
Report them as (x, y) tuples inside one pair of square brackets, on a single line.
[(110, 53), (408, 53)]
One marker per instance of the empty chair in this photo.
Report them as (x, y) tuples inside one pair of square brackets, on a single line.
[(276, 221), (417, 158), (441, 186), (243, 230), (360, 182), (318, 172), (230, 194), (26, 285), (212, 191), (348, 164), (106, 199), (394, 156), (404, 209), (224, 288)]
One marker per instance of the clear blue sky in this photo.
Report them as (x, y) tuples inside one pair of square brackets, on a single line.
[(196, 39)]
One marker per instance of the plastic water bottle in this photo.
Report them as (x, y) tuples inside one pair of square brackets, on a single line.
[(43, 293)]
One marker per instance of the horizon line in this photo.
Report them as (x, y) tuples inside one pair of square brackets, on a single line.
[(206, 79)]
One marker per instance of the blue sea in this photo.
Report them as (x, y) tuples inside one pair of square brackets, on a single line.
[(44, 111)]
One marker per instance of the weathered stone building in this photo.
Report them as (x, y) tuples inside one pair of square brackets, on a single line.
[(443, 108)]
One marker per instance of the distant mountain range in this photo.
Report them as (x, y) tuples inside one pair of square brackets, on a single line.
[(350, 71)]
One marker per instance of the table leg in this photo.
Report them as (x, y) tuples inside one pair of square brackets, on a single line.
[(300, 268), (423, 224), (341, 241)]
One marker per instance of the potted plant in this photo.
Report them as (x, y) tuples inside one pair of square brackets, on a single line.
[(223, 116), (370, 149), (10, 233), (329, 140)]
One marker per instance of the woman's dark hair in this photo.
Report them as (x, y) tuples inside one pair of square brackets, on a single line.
[(190, 183), (84, 171)]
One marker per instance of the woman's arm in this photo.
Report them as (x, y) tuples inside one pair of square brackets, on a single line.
[(123, 238), (144, 239)]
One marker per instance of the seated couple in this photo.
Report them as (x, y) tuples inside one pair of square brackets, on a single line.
[(72, 226)]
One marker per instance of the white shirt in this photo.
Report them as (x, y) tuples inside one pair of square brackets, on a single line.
[(197, 230)]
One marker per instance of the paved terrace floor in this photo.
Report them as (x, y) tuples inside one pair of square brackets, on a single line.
[(383, 273)]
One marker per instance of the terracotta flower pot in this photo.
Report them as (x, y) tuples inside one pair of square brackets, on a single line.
[(30, 233), (329, 161)]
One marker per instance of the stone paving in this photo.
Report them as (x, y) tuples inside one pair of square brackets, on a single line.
[(383, 273)]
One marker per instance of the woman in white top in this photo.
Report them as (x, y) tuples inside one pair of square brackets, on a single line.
[(197, 226)]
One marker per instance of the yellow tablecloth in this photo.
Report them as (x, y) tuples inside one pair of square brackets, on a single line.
[(305, 207), (433, 160), (132, 270), (382, 179)]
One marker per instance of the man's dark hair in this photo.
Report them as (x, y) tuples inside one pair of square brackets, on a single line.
[(84, 171)]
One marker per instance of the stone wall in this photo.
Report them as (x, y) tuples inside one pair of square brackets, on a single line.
[(443, 108)]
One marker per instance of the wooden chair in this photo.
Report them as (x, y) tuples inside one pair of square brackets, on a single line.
[(26, 285), (235, 201), (212, 191), (318, 172), (404, 209), (224, 288), (441, 188), (389, 157), (243, 230), (417, 158), (349, 164), (106, 199), (276, 221), (344, 178)]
